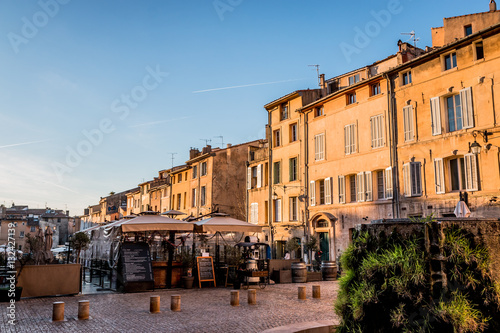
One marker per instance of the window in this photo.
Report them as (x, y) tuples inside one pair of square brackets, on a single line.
[(178, 201), (352, 187), (468, 30), (364, 186), (312, 193), (203, 196), (450, 61), (408, 123), (277, 138), (294, 209), (377, 131), (277, 210), (341, 189), (284, 111), (277, 172), (351, 98), (439, 176), (21, 234), (435, 116), (464, 173), (453, 105), (319, 111), (32, 229), (380, 185), (185, 199), (388, 183), (478, 50), (319, 147), (204, 168), (407, 79), (350, 138), (292, 170), (254, 213), (328, 191), (179, 177), (293, 133), (195, 171), (353, 79), (259, 176), (193, 198), (375, 89), (321, 185), (412, 177), (254, 177)]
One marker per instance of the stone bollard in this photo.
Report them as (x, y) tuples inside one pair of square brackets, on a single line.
[(154, 304), (58, 311), (235, 298), (316, 292), (83, 310), (175, 303), (302, 293), (252, 297)]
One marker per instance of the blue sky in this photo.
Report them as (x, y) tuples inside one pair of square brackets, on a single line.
[(69, 65)]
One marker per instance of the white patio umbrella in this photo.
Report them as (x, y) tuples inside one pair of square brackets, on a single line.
[(461, 210)]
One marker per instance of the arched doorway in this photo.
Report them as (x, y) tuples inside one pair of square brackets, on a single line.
[(322, 226)]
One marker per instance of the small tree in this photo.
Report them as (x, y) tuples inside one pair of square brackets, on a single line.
[(80, 242)]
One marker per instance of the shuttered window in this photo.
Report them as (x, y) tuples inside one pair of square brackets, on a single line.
[(368, 186), (249, 178), (328, 191), (319, 147), (467, 107), (377, 131), (259, 176), (254, 213), (312, 193), (350, 136), (412, 177), (293, 209), (341, 189), (408, 123), (471, 173), (277, 210), (360, 182), (439, 176), (436, 116), (388, 183)]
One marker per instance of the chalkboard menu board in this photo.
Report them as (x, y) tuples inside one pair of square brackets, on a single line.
[(136, 270), (205, 270)]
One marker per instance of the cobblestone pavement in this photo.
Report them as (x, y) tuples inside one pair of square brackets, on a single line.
[(205, 310)]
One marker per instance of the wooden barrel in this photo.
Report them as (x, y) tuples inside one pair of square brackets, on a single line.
[(299, 272), (329, 270)]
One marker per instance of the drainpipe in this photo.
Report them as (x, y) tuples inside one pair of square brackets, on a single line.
[(306, 177), (270, 180)]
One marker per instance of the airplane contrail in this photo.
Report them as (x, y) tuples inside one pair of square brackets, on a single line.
[(23, 144), (158, 122), (246, 85)]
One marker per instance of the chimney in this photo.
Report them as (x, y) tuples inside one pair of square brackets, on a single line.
[(193, 152), (67, 213), (493, 6), (322, 81), (228, 145), (206, 149)]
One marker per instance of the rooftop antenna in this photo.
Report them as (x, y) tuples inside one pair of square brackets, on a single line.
[(413, 37), (222, 139), (317, 70), (172, 157), (207, 141)]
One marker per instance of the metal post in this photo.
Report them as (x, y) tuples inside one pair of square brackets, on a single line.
[(171, 239)]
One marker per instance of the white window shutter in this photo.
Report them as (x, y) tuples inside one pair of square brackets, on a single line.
[(368, 186), (416, 179), (354, 148), (361, 186), (341, 189), (406, 180), (467, 107), (278, 210), (249, 178), (312, 193), (388, 183), (259, 176), (436, 116), (439, 176), (346, 140), (471, 173), (195, 197), (408, 123), (328, 191), (372, 131), (256, 213)]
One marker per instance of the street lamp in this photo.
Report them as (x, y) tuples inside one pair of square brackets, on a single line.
[(475, 147)]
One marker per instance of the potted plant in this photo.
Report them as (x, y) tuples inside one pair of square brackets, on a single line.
[(187, 263)]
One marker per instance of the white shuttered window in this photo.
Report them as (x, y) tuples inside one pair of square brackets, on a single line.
[(412, 177), (328, 191), (350, 137), (408, 123), (312, 193), (319, 147), (388, 183), (341, 189), (259, 176), (377, 131), (439, 176), (471, 173), (436, 116), (360, 182), (467, 107), (249, 178), (368, 186)]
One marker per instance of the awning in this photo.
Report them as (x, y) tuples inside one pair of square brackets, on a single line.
[(155, 223), (226, 224)]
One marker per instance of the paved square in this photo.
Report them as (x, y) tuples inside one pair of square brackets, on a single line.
[(205, 310)]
